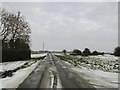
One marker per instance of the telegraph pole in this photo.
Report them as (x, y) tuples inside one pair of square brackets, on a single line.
[(43, 46)]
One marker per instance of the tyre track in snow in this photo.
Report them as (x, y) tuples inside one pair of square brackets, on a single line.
[(53, 73)]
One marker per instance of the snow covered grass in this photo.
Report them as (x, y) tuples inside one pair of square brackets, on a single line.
[(11, 65), (9, 73), (97, 78), (107, 63), (18, 77), (5, 66), (14, 72)]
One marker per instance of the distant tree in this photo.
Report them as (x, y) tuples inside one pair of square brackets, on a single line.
[(64, 51), (95, 53), (77, 52), (86, 52), (117, 51), (14, 34)]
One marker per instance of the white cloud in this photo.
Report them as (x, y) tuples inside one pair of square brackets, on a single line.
[(71, 25)]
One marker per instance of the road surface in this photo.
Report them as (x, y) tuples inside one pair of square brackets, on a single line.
[(54, 73)]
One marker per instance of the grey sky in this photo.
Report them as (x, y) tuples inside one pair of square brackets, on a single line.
[(71, 25)]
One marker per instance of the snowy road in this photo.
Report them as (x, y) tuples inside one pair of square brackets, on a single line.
[(69, 79), (54, 73)]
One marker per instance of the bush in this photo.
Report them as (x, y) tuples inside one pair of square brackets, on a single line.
[(117, 51), (13, 55), (76, 52), (95, 53), (86, 52), (64, 51)]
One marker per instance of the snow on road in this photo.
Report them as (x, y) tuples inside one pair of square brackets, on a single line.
[(97, 78), (18, 77)]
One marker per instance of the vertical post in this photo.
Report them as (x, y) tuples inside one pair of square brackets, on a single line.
[(119, 41), (0, 40), (43, 46)]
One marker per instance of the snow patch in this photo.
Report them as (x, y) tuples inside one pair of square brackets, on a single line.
[(98, 78), (18, 77), (5, 66), (58, 53), (38, 55)]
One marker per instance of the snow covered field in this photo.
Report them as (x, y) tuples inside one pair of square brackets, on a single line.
[(58, 53), (106, 57), (99, 78), (38, 55), (43, 54), (108, 63)]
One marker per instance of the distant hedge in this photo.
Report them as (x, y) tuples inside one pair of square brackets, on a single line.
[(14, 55)]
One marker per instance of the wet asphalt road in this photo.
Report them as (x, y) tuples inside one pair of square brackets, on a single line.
[(54, 73)]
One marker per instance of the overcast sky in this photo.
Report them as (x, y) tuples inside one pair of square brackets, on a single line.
[(70, 25)]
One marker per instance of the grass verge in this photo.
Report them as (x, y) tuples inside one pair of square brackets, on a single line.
[(92, 63), (9, 73)]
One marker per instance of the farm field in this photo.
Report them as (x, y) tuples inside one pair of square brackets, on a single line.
[(100, 71)]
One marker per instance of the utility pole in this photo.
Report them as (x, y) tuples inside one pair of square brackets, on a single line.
[(43, 46)]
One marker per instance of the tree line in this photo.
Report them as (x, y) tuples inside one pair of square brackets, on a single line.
[(15, 36), (87, 52)]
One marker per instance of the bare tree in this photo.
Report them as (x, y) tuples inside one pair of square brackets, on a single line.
[(64, 51), (14, 27), (15, 35)]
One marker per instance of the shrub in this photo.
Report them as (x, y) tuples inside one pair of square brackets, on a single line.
[(76, 52), (64, 51), (117, 51), (95, 53), (86, 52)]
